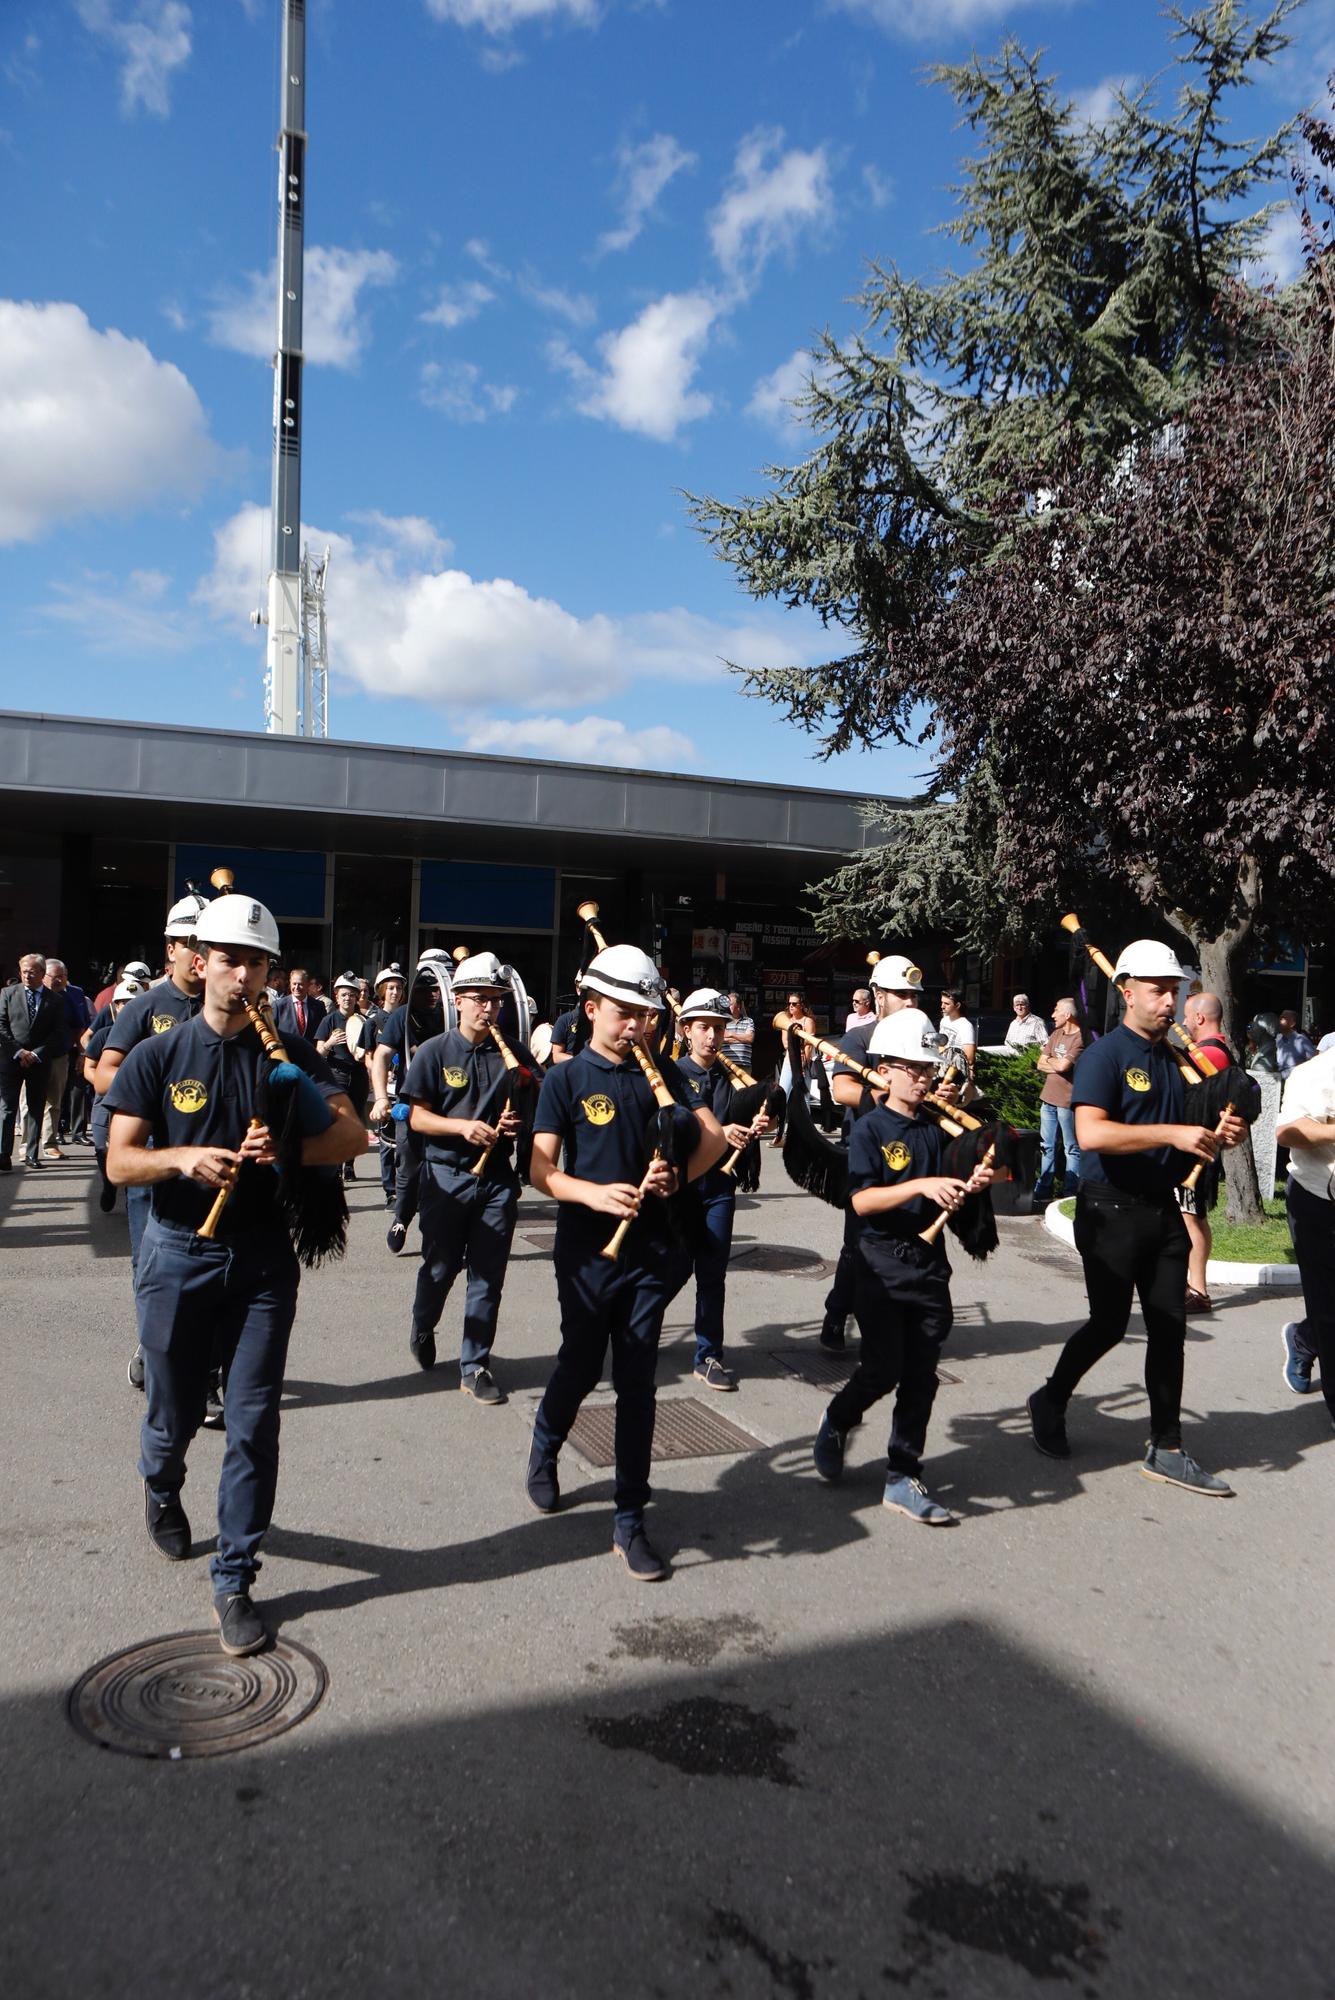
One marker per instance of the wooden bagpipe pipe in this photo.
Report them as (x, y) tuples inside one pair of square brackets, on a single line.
[(311, 1199), (672, 1135), (519, 1093), (1213, 1092)]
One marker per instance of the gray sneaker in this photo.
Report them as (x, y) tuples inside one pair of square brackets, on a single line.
[(1179, 1468), (483, 1387), (909, 1496)]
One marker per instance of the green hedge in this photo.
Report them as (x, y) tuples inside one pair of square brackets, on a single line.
[(1012, 1084)]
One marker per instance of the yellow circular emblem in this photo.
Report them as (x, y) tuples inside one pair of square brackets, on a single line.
[(455, 1078), (1136, 1079), (189, 1095), (896, 1156), (599, 1110), (162, 1024)]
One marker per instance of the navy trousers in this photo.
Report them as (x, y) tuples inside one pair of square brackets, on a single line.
[(713, 1247), (1312, 1227), (408, 1171), (904, 1315), (138, 1209), (464, 1222), (840, 1299), (623, 1304), (201, 1303)]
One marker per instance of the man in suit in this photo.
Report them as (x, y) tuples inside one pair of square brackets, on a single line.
[(32, 1027), (299, 1011)]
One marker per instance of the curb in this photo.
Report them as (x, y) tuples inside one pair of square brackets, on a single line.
[(1272, 1277)]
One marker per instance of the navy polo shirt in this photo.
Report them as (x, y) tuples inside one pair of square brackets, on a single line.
[(601, 1110), (563, 1027), (101, 1119), (1137, 1082), (157, 1012), (711, 1088), (340, 1059), (195, 1089), (460, 1079), (886, 1149)]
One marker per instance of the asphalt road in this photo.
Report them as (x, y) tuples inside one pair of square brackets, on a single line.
[(1079, 1743)]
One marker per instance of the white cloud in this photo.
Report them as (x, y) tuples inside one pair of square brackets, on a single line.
[(648, 368), (113, 618), (770, 200), (498, 17), (774, 394), (336, 327), (924, 20), (458, 391), (401, 624), (880, 188), (591, 739), (1097, 107), (1279, 256), (457, 304), (152, 41), (89, 422), (575, 307), (644, 171)]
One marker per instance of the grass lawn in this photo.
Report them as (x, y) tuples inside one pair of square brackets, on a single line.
[(1238, 1243)]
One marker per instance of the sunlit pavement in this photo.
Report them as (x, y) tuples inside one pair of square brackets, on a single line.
[(1082, 1737)]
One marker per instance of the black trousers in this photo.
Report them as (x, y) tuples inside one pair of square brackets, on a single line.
[(411, 1151), (1312, 1227), (1131, 1244), (16, 1081), (840, 1298), (904, 1314)]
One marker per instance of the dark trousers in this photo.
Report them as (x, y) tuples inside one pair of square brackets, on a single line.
[(201, 1303), (78, 1098), (624, 1303), (100, 1155), (464, 1222), (389, 1158), (713, 1247), (1130, 1244), (138, 1209), (840, 1299), (18, 1083), (904, 1314), (407, 1171), (1312, 1227)]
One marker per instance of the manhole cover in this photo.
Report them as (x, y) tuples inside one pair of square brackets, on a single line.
[(784, 1257), (183, 1697), (683, 1428)]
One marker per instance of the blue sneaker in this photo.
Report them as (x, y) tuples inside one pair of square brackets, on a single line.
[(1297, 1367), (828, 1451), (909, 1496)]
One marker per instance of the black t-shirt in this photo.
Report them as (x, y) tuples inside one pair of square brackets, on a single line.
[(461, 1079), (1137, 1082), (101, 1118), (602, 1110), (195, 1089), (339, 1058), (886, 1149), (157, 1012), (711, 1088)]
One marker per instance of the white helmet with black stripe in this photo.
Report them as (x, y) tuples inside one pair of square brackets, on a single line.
[(624, 972)]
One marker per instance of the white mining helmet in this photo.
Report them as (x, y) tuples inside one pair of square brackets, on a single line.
[(127, 989), (907, 1036), (1147, 959), (624, 972), (239, 921), (136, 969), (704, 1005), (183, 917), (389, 972), (896, 975), (481, 973)]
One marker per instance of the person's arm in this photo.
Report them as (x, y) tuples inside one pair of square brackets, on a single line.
[(132, 1162), (711, 1147), (616, 1198), (345, 1138), (473, 1131), (1305, 1131), (108, 1063), (944, 1189), (1097, 1132), (735, 1032)]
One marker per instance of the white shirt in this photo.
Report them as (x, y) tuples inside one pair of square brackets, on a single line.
[(960, 1032), (1029, 1033), (1310, 1093)]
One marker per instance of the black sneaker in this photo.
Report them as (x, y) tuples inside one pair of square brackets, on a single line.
[(134, 1368), (483, 1387), (214, 1420), (106, 1200), (1048, 1424), (640, 1556), (168, 1529), (1179, 1468), (827, 1452), (832, 1335), (541, 1483), (240, 1627), (422, 1347)]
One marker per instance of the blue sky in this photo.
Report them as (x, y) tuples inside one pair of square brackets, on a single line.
[(563, 258)]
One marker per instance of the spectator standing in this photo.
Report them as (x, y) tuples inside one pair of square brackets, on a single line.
[(959, 1033), (863, 1012), (1202, 1017), (1307, 1128), (1028, 1030), (740, 1034), (32, 1026), (72, 1021), (300, 1010), (1292, 1046), (1056, 1062)]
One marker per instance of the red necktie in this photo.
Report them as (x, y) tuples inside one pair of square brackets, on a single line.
[(301, 1016)]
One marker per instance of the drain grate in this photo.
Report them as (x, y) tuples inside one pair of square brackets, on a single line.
[(182, 1697), (784, 1257), (683, 1428)]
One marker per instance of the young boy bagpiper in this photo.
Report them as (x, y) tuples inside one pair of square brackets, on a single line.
[(896, 1190), (631, 1133)]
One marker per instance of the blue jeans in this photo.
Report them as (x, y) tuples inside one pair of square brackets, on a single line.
[(202, 1302), (472, 1222), (1050, 1116), (713, 1247)]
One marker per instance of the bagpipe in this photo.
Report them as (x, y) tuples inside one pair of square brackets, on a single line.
[(311, 1199), (672, 1136), (1213, 1093), (594, 942), (519, 1092)]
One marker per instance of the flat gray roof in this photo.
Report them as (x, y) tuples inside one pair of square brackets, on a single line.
[(78, 773)]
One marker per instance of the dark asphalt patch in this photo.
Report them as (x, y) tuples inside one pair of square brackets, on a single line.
[(788, 1973), (1050, 1929), (705, 1738), (690, 1642)]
